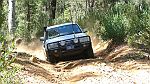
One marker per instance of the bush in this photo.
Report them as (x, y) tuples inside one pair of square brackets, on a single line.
[(114, 23), (139, 32), (114, 27), (121, 22), (7, 73)]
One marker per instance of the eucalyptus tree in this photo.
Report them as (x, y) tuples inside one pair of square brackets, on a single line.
[(11, 16), (32, 16)]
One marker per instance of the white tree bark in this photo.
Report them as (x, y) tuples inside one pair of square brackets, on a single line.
[(11, 16)]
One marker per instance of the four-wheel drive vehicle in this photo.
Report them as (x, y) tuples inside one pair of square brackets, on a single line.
[(66, 40)]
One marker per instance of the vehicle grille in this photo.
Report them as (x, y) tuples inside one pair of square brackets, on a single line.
[(69, 42)]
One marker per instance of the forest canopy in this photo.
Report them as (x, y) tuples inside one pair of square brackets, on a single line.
[(119, 20)]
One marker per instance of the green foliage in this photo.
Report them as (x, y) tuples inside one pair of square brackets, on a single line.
[(31, 18), (3, 16), (140, 24), (7, 73), (9, 76), (114, 24), (120, 21), (69, 10)]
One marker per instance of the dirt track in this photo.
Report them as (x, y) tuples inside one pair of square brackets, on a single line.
[(114, 69)]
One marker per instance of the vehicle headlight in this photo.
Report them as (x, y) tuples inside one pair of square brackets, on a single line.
[(75, 40), (84, 39), (52, 45), (62, 43)]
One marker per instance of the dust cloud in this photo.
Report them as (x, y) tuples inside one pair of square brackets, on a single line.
[(33, 48)]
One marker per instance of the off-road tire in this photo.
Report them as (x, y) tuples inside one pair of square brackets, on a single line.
[(88, 53), (51, 59)]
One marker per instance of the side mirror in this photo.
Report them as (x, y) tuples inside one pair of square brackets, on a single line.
[(44, 28), (41, 38)]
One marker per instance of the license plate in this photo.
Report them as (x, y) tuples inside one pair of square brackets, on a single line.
[(70, 47)]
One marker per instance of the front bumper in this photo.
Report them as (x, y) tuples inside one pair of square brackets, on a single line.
[(64, 51)]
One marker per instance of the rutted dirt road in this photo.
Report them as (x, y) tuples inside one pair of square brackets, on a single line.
[(118, 68)]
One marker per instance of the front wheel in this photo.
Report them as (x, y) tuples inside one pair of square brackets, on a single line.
[(51, 59), (89, 53)]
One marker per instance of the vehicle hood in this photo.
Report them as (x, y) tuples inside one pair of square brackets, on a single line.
[(60, 38)]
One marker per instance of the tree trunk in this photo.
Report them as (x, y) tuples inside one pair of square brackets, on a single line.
[(11, 16), (90, 4), (51, 10), (53, 5), (1, 2), (1, 15), (28, 16), (28, 19), (86, 7)]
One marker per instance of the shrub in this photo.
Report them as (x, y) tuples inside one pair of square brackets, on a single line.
[(7, 73), (114, 23), (121, 22)]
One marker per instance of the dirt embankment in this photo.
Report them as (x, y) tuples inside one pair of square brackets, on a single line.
[(124, 65)]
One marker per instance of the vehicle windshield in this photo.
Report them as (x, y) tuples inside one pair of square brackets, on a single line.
[(63, 30)]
